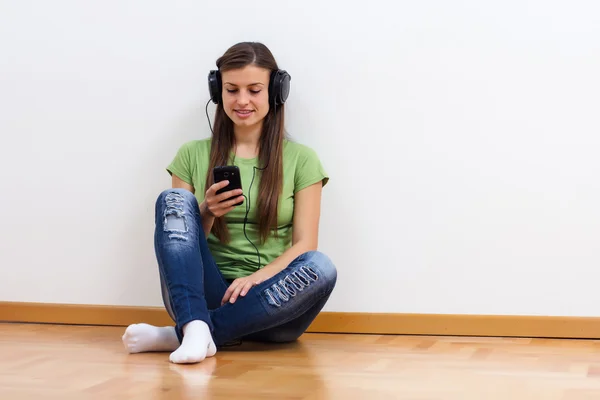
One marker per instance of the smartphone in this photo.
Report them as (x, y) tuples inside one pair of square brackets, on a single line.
[(229, 173)]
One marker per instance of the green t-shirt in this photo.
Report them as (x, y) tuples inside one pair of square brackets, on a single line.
[(238, 258)]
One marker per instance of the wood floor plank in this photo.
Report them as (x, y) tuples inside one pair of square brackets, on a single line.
[(82, 362)]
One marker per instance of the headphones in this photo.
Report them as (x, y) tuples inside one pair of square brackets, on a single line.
[(279, 86)]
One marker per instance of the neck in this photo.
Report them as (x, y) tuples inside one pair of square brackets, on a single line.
[(247, 139)]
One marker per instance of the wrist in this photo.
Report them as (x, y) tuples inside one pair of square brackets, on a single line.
[(204, 211)]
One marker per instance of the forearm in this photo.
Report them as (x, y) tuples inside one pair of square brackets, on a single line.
[(281, 262), (207, 219)]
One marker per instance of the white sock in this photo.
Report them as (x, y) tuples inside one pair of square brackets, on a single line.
[(197, 344), (140, 338)]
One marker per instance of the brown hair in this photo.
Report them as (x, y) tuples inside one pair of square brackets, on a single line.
[(270, 145)]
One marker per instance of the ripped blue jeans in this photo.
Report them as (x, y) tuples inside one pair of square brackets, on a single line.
[(279, 309)]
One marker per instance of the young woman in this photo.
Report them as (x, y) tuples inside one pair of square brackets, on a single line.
[(233, 272)]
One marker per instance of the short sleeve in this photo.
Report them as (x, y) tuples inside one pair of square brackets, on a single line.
[(309, 170), (182, 165)]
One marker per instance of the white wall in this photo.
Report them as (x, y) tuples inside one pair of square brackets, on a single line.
[(462, 139)]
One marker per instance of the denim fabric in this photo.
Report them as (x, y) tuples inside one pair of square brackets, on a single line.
[(279, 309)]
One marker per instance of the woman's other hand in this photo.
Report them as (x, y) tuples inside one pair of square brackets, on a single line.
[(241, 286)]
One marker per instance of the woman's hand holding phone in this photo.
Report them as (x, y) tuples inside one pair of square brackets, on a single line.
[(217, 205)]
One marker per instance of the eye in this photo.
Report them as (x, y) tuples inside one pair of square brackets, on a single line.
[(255, 91), (231, 90)]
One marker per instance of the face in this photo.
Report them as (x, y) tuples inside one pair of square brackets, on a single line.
[(246, 95)]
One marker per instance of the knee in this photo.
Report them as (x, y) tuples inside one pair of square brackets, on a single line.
[(324, 268), (175, 212), (175, 194), (176, 199)]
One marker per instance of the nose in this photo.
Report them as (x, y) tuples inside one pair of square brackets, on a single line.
[(242, 98)]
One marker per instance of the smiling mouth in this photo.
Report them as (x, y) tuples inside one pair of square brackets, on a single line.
[(243, 112)]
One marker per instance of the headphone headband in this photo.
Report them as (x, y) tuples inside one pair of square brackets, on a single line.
[(279, 86)]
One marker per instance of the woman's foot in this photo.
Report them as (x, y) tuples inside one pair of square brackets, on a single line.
[(197, 344), (140, 338)]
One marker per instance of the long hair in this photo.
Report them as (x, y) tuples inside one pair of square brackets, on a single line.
[(270, 145)]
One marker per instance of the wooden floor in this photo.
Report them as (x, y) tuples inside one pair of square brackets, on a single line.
[(74, 362)]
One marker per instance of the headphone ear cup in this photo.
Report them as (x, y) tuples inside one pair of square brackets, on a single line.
[(214, 86), (279, 87)]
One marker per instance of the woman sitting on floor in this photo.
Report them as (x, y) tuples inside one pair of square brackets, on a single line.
[(232, 272)]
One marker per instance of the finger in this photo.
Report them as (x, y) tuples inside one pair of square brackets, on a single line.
[(222, 208), (246, 288), (220, 185), (228, 292), (235, 294), (225, 298), (219, 212), (233, 201), (228, 195), (216, 186)]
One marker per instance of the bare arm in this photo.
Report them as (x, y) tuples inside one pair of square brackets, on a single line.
[(305, 234), (207, 219), (305, 237)]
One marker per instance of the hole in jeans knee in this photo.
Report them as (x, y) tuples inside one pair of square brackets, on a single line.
[(175, 223), (175, 217), (271, 299), (310, 273), (288, 285), (296, 282), (280, 293), (302, 277)]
